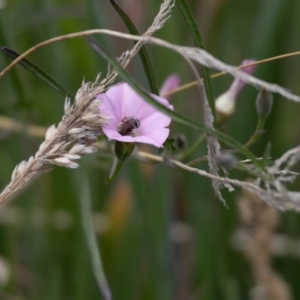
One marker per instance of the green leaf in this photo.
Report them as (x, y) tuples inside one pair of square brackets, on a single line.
[(148, 68), (34, 69), (15, 80), (91, 238), (267, 154), (175, 115), (193, 28)]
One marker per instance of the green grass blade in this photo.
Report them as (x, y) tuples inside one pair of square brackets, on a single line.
[(15, 80), (175, 115), (37, 71), (90, 235), (193, 28), (148, 68)]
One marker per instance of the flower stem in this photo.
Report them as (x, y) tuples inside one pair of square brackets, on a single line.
[(122, 151), (257, 133), (197, 160), (116, 167), (191, 150)]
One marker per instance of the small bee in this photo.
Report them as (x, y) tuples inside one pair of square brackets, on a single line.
[(128, 124)]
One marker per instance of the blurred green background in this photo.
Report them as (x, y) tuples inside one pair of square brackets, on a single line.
[(162, 232)]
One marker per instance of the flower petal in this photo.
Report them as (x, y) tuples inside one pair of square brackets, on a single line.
[(115, 99), (108, 107), (238, 84), (114, 135), (155, 137), (170, 83), (135, 105), (154, 121)]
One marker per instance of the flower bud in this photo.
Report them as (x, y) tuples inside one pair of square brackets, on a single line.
[(225, 104), (180, 141), (264, 103), (123, 150), (227, 160)]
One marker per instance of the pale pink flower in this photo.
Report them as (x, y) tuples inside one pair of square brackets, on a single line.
[(171, 82), (225, 104), (131, 118)]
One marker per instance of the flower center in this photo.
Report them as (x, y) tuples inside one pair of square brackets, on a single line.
[(128, 125)]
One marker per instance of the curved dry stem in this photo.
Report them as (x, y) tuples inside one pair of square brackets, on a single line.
[(258, 62), (283, 200), (195, 54)]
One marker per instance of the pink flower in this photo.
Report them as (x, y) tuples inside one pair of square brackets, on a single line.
[(225, 104), (171, 82), (131, 118)]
